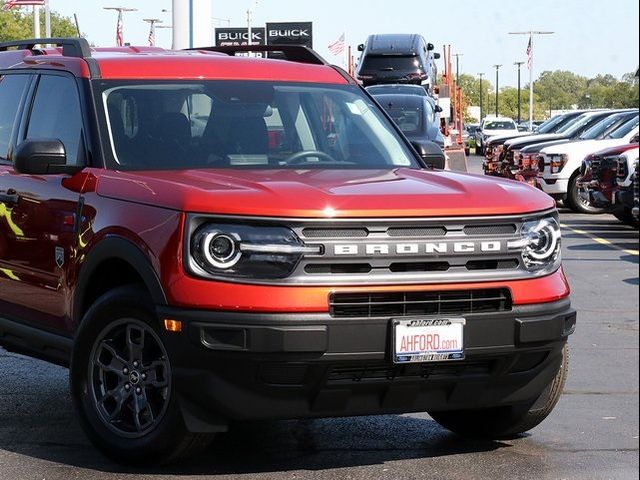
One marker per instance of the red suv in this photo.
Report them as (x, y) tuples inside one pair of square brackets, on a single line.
[(205, 238)]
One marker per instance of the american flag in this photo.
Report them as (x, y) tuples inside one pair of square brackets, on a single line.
[(529, 54), (152, 35), (21, 3), (119, 39), (337, 47)]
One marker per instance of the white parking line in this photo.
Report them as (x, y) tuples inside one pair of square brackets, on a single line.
[(601, 241)]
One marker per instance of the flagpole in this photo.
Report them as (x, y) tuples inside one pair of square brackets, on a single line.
[(531, 84), (47, 19), (36, 21), (531, 33)]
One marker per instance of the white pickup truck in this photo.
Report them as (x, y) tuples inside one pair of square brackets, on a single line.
[(492, 126), (559, 165)]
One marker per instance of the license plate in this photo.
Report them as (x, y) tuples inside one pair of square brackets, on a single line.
[(428, 340)]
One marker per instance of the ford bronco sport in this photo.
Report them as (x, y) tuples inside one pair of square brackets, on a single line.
[(203, 238)]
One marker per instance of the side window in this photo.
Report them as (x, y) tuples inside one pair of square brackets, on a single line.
[(11, 90), (56, 114)]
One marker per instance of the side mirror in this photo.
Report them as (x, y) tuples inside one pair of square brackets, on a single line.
[(430, 46), (436, 56), (431, 154), (635, 138), (40, 156), (361, 47), (438, 109)]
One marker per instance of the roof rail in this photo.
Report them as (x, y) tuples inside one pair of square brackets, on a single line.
[(71, 47), (292, 53)]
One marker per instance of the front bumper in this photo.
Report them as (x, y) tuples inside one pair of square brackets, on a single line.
[(553, 186), (242, 366)]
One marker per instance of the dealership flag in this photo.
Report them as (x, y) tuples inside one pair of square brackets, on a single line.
[(119, 41), (152, 36), (529, 54), (337, 47), (21, 3)]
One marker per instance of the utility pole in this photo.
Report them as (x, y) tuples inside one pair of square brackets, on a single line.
[(481, 75), (458, 55), (497, 67), (519, 64), (250, 12), (531, 33)]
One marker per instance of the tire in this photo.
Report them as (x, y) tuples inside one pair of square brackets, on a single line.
[(576, 203), (479, 150), (467, 151), (146, 426), (509, 421), (626, 217)]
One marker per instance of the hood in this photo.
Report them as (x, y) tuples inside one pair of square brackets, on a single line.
[(583, 147), (529, 139), (498, 139), (315, 193), (537, 147)]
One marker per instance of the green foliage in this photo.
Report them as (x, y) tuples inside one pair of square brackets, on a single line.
[(18, 23), (556, 90)]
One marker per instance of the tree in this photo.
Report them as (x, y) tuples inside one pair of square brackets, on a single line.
[(16, 24), (560, 89)]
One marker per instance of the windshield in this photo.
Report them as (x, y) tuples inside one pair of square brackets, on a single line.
[(238, 124), (391, 63), (625, 129), (397, 89), (551, 124), (603, 126), (499, 125), (408, 118), (581, 124)]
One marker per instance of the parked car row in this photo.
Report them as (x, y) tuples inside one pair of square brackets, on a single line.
[(551, 158)]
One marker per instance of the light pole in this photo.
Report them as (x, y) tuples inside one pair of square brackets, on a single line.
[(152, 29), (531, 33), (497, 67), (250, 12), (481, 75), (519, 64), (458, 55), (119, 27)]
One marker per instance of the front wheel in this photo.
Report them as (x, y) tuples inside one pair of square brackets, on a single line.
[(121, 383), (501, 422), (576, 202)]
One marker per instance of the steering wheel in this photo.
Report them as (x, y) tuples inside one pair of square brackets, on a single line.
[(297, 157)]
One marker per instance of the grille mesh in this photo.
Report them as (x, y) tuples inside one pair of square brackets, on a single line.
[(400, 304), (508, 229), (335, 232), (417, 232)]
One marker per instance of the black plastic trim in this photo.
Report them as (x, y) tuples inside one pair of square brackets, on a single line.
[(19, 338), (115, 247)]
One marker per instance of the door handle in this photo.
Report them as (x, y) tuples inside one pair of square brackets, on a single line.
[(9, 197)]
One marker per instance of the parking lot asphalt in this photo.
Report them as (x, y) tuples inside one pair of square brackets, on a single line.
[(592, 433)]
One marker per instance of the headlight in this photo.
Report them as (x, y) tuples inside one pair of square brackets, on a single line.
[(558, 162), (540, 244), (244, 251)]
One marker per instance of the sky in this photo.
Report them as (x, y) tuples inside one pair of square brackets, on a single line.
[(591, 36)]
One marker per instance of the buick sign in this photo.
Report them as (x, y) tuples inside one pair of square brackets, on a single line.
[(290, 33), (239, 36)]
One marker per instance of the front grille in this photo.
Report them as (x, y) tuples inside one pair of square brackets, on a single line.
[(540, 163), (409, 251), (417, 371), (622, 168), (508, 229), (403, 304)]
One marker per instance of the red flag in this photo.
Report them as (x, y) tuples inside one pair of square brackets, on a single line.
[(21, 3), (338, 46), (119, 39)]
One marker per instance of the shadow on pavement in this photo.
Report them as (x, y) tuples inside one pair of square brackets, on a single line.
[(269, 447)]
